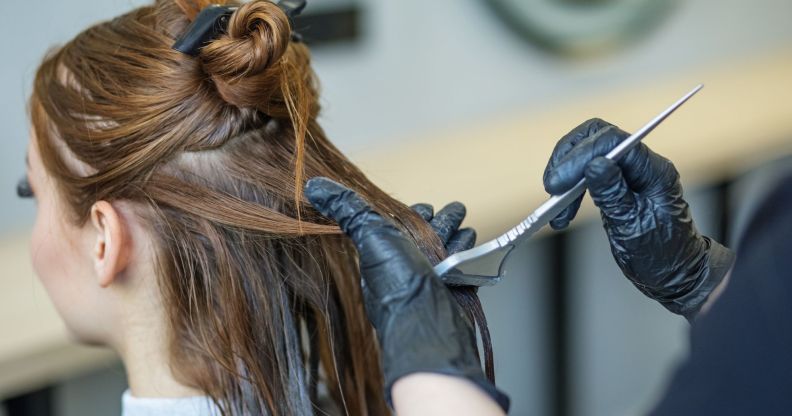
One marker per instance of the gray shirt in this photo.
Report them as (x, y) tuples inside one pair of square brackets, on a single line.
[(180, 406)]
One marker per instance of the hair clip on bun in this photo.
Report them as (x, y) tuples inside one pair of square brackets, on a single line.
[(212, 22)]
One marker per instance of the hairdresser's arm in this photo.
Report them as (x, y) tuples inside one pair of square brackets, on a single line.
[(438, 394), (647, 220), (425, 338)]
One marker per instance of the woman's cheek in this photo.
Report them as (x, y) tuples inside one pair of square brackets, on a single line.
[(55, 262), (43, 254)]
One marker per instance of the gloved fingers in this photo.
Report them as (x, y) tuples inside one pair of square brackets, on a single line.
[(563, 219), (648, 172), (462, 240), (554, 185), (446, 225), (569, 170), (446, 222), (643, 170), (426, 211), (610, 191), (389, 261), (339, 203), (641, 167)]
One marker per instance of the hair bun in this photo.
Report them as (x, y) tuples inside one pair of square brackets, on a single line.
[(244, 62)]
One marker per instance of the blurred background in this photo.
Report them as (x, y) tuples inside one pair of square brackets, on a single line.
[(463, 100)]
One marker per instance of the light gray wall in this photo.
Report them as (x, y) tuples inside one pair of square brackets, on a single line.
[(515, 311)]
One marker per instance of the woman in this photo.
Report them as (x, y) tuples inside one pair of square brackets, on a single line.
[(171, 224)]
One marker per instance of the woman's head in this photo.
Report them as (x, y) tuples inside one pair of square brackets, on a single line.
[(176, 185)]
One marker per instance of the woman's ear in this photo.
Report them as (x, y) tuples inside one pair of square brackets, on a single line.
[(112, 244)]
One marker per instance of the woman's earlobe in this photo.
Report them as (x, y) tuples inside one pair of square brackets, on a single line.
[(112, 245)]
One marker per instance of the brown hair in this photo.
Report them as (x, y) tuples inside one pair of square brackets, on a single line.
[(260, 290)]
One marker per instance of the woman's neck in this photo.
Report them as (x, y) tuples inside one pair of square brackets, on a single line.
[(149, 373), (143, 347)]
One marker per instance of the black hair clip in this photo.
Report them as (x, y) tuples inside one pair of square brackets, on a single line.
[(212, 21), (293, 8)]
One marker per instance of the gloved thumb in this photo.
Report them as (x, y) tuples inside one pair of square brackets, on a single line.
[(609, 190)]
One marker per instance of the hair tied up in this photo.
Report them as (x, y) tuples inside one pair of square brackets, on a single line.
[(245, 62), (257, 36)]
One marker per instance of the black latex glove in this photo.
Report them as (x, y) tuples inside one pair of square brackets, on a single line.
[(446, 225), (419, 325), (648, 222)]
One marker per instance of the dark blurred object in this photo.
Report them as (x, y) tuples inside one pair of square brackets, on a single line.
[(739, 362), (37, 403), (581, 27), (340, 24)]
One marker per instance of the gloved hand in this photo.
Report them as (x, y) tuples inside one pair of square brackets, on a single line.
[(446, 225), (648, 223), (419, 325)]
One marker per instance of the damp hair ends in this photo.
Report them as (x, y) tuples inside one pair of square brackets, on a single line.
[(262, 293)]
